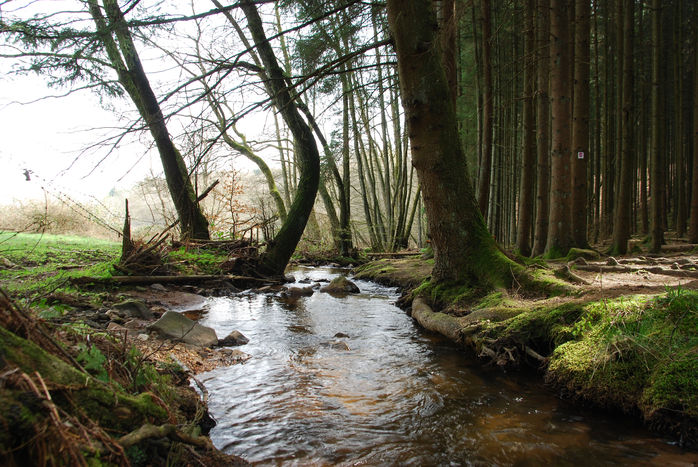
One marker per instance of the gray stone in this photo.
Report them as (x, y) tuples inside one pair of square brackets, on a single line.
[(233, 339), (159, 287), (142, 337), (173, 325), (298, 292), (340, 285), (341, 334), (134, 309)]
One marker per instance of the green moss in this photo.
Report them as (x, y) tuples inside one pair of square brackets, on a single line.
[(445, 294), (674, 386), (575, 253)]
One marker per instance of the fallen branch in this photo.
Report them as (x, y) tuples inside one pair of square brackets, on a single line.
[(166, 279), (627, 269), (163, 431), (395, 254)]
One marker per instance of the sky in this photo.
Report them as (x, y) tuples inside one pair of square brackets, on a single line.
[(46, 136)]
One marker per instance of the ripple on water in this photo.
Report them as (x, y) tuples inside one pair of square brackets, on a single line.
[(393, 395)]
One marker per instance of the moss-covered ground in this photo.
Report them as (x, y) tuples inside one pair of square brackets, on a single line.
[(637, 353)]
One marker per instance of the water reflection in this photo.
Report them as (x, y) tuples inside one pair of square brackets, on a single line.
[(391, 394)]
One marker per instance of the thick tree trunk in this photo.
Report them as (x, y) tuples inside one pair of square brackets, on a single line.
[(580, 123), (463, 249), (132, 77), (559, 232), (485, 171), (656, 159), (523, 235), (621, 224), (276, 257), (542, 134)]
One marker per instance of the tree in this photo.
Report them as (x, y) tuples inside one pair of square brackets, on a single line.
[(656, 187), (464, 251), (559, 238), (540, 237), (278, 253), (580, 123), (523, 236), (621, 224), (485, 171)]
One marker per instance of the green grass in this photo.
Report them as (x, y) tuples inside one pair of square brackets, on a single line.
[(45, 263)]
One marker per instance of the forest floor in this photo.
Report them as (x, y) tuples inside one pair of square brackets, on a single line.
[(624, 336)]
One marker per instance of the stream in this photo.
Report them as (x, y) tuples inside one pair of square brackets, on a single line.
[(392, 394)]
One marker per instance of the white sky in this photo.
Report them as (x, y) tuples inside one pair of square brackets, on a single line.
[(46, 137)]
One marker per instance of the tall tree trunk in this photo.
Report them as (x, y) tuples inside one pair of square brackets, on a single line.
[(463, 249), (542, 134), (559, 233), (693, 231), (132, 77), (523, 235), (656, 183), (621, 224), (580, 123), (276, 257), (487, 110)]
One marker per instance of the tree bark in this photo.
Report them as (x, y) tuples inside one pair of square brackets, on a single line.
[(693, 230), (463, 249), (124, 57), (656, 159), (485, 171), (559, 232), (542, 131), (275, 259), (580, 123), (523, 234), (621, 224)]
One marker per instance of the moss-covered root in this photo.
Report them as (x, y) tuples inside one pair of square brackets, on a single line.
[(25, 415), (442, 323)]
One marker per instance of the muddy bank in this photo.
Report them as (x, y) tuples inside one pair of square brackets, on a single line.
[(637, 354)]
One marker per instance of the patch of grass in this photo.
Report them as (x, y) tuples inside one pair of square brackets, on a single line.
[(197, 261), (44, 264)]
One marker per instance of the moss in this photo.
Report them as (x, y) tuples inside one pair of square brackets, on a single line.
[(674, 386), (447, 294), (575, 253)]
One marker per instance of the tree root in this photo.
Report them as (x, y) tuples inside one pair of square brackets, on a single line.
[(163, 431)]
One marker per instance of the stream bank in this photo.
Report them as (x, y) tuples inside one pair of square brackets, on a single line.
[(599, 347)]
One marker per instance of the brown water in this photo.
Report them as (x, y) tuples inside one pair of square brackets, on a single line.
[(391, 394)]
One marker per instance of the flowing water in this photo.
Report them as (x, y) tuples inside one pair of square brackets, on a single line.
[(391, 394)]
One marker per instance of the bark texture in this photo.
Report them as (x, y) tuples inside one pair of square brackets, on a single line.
[(464, 251), (276, 257)]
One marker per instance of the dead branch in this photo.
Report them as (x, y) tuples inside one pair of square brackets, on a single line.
[(138, 280)]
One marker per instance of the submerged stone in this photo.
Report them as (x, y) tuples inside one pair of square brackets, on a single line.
[(341, 285), (232, 339)]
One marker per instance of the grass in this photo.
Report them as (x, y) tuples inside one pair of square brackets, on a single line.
[(44, 264)]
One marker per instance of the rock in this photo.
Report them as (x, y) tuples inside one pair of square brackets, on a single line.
[(114, 316), (341, 285), (158, 287), (174, 325), (611, 261), (6, 263), (233, 339), (340, 345), (134, 309), (142, 337), (341, 334), (290, 278), (293, 292), (135, 323), (115, 327)]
